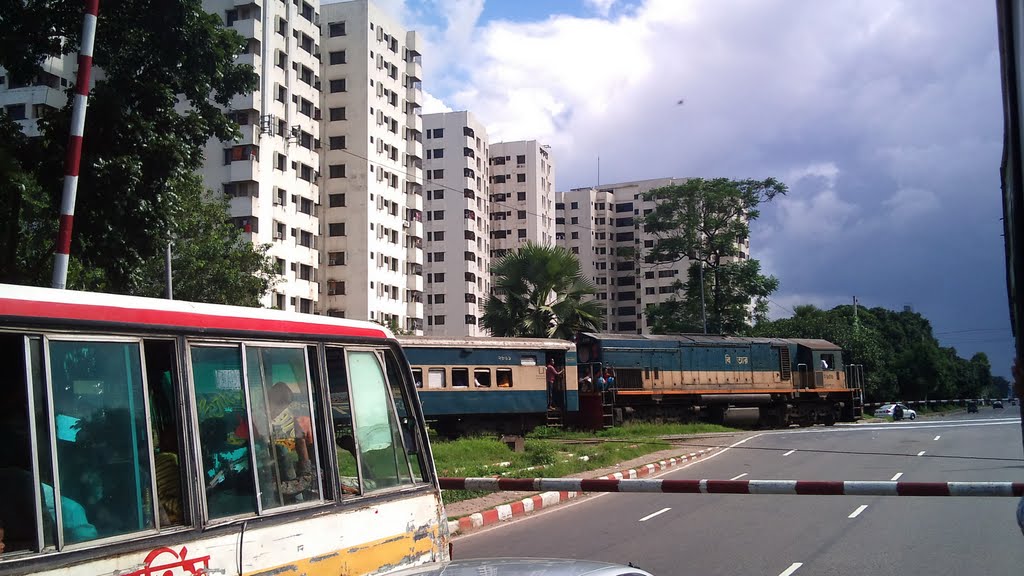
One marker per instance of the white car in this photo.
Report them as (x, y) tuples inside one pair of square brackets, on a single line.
[(886, 411)]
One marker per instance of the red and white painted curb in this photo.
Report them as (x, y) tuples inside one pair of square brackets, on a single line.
[(552, 497)]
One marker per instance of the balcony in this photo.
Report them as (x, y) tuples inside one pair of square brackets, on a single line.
[(249, 101), (415, 122), (241, 206), (413, 96), (250, 28), (412, 42), (414, 254), (414, 148), (253, 59), (415, 312), (414, 282), (256, 3), (250, 134), (415, 229), (244, 170), (414, 70)]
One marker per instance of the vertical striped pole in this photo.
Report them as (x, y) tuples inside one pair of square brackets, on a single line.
[(74, 152)]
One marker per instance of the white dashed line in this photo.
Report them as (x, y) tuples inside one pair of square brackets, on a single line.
[(921, 453), (787, 454), (792, 568), (937, 437), (857, 512), (649, 516), (738, 477), (896, 477)]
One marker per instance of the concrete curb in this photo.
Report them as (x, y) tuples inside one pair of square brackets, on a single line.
[(549, 499)]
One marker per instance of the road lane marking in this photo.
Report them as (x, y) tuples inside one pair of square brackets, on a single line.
[(857, 512), (792, 568), (787, 454), (937, 437), (738, 477), (921, 453), (896, 477), (649, 516)]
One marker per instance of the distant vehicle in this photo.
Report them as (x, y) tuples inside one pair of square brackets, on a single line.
[(886, 410), (1013, 401), (523, 567), (972, 407), (997, 403)]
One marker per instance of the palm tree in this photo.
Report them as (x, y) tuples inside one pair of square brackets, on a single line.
[(540, 292)]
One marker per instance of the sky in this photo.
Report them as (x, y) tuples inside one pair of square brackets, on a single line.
[(882, 117)]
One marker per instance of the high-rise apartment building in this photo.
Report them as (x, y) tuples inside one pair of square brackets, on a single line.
[(373, 167), (271, 173), (602, 226), (522, 195), (26, 102), (457, 207)]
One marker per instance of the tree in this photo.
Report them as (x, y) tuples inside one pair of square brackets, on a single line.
[(168, 73), (212, 261), (707, 222), (540, 292)]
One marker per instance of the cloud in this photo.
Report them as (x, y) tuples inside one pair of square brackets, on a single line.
[(433, 104), (882, 117), (602, 7)]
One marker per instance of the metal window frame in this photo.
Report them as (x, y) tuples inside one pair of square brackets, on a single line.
[(37, 483)]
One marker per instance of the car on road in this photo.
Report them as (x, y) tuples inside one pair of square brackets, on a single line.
[(524, 567), (972, 407), (997, 403), (885, 411)]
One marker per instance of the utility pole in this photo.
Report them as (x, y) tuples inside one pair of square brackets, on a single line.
[(169, 278), (703, 309), (856, 326)]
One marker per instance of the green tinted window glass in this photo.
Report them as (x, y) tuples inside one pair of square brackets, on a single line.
[(341, 420), (406, 417), (223, 430), (378, 435), (282, 424), (103, 452)]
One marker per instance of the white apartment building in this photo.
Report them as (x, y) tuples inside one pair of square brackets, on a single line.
[(26, 102), (522, 195), (602, 226), (271, 173), (457, 207), (372, 188)]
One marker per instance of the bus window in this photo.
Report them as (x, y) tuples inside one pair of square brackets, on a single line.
[(410, 433), (482, 377), (103, 457), (435, 378), (282, 425), (341, 420), (378, 438), (164, 425), (417, 377), (504, 377), (460, 377), (223, 430)]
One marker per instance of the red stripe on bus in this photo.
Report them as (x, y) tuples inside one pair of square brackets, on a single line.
[(99, 313)]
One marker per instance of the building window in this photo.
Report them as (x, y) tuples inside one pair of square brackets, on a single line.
[(521, 214), (521, 196), (522, 232), (521, 159), (337, 143), (336, 29), (337, 57), (337, 114), (520, 177), (338, 85), (575, 235), (336, 229), (337, 171), (574, 205), (335, 258), (437, 174), (337, 200), (439, 320)]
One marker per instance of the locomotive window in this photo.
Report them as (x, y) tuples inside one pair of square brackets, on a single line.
[(435, 378), (647, 372), (482, 377), (417, 377), (528, 360), (504, 377), (657, 373), (828, 362), (460, 377)]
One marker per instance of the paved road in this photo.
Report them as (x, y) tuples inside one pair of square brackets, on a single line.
[(797, 535)]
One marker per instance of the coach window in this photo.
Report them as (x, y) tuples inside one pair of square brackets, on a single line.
[(223, 430), (460, 377), (378, 436), (341, 420), (482, 377), (282, 426), (406, 419), (504, 377), (103, 456), (417, 377), (528, 360), (436, 378)]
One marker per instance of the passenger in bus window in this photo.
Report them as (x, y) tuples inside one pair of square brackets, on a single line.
[(292, 433)]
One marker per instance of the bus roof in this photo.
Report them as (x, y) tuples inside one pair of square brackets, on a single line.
[(34, 305)]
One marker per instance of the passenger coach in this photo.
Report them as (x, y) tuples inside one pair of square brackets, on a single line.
[(159, 437)]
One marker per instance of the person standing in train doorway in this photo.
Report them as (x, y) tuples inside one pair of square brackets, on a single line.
[(552, 381)]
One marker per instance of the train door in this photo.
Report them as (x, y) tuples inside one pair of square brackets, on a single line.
[(556, 393)]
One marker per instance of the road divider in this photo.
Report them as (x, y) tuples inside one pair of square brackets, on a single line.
[(782, 487)]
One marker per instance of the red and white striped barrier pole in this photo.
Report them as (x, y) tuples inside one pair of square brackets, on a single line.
[(73, 156), (780, 487)]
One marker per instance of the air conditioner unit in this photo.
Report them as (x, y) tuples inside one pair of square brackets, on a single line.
[(278, 236), (406, 224)]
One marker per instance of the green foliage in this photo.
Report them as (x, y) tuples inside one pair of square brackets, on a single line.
[(167, 73), (901, 357), (707, 222), (540, 292)]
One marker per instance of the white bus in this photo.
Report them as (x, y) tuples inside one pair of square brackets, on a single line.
[(151, 437)]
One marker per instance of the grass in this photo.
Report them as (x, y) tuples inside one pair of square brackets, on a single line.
[(482, 456)]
